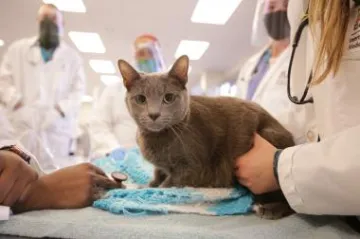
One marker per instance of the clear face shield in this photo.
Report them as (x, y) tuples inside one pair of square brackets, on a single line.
[(270, 22)]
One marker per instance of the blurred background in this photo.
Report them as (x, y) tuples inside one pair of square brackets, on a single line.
[(104, 31)]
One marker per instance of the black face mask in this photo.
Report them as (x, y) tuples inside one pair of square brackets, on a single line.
[(277, 25), (49, 34)]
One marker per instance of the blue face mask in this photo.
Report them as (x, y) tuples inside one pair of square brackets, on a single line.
[(148, 66), (46, 54)]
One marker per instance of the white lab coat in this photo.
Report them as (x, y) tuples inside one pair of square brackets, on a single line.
[(271, 94), (24, 76), (322, 178), (111, 125)]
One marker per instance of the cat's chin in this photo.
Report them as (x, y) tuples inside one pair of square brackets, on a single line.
[(154, 129)]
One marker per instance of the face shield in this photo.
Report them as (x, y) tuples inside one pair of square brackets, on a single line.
[(270, 22), (148, 55)]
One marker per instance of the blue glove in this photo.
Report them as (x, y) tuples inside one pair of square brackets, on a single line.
[(117, 154)]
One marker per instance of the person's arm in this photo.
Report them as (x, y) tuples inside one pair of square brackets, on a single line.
[(102, 137), (69, 106), (10, 97), (322, 178), (15, 171)]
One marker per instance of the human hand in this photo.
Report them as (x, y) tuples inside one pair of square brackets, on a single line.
[(254, 169), (15, 176), (68, 188), (117, 154)]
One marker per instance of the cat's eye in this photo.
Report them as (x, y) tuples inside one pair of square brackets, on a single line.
[(169, 98), (140, 99)]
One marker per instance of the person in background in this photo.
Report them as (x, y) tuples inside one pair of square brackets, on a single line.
[(25, 187), (319, 178), (42, 81), (111, 127), (263, 78)]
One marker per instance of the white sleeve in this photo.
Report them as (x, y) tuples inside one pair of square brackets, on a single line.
[(4, 213), (322, 178), (9, 95), (102, 137)]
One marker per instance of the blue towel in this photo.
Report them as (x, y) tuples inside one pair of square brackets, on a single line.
[(149, 201)]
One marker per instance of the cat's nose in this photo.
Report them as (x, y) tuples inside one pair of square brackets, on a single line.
[(154, 116)]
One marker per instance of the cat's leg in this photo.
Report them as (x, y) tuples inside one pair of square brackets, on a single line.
[(275, 210), (167, 183), (277, 136), (241, 140), (159, 177), (272, 205)]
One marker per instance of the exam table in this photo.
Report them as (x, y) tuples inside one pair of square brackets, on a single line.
[(93, 223)]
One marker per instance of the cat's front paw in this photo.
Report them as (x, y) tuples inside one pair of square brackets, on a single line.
[(154, 183), (168, 183), (272, 211)]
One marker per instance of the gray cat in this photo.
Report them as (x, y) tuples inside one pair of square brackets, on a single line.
[(194, 140)]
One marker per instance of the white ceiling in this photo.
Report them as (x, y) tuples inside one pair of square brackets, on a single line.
[(119, 22)]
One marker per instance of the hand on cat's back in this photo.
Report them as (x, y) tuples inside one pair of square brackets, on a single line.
[(254, 169)]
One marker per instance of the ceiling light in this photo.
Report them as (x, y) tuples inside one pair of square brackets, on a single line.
[(109, 79), (2, 42), (215, 12), (193, 49), (87, 99), (68, 5), (89, 42), (102, 66)]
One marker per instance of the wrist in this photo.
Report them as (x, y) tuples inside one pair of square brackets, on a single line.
[(275, 164), (33, 198)]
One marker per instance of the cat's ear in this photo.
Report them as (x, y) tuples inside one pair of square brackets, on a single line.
[(180, 69), (128, 73)]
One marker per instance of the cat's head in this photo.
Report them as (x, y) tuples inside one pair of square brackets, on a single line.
[(157, 101)]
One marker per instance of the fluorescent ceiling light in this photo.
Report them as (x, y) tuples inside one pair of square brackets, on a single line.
[(68, 5), (87, 99), (89, 42), (102, 66), (109, 79), (2, 42), (193, 49), (215, 12)]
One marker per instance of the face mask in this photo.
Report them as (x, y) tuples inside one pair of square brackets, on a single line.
[(49, 34), (277, 25)]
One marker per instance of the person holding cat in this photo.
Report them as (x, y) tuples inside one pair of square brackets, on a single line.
[(262, 78), (318, 177)]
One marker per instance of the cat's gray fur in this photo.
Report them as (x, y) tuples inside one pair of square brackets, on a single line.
[(194, 140)]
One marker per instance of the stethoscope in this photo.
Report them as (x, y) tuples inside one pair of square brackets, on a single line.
[(295, 99)]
